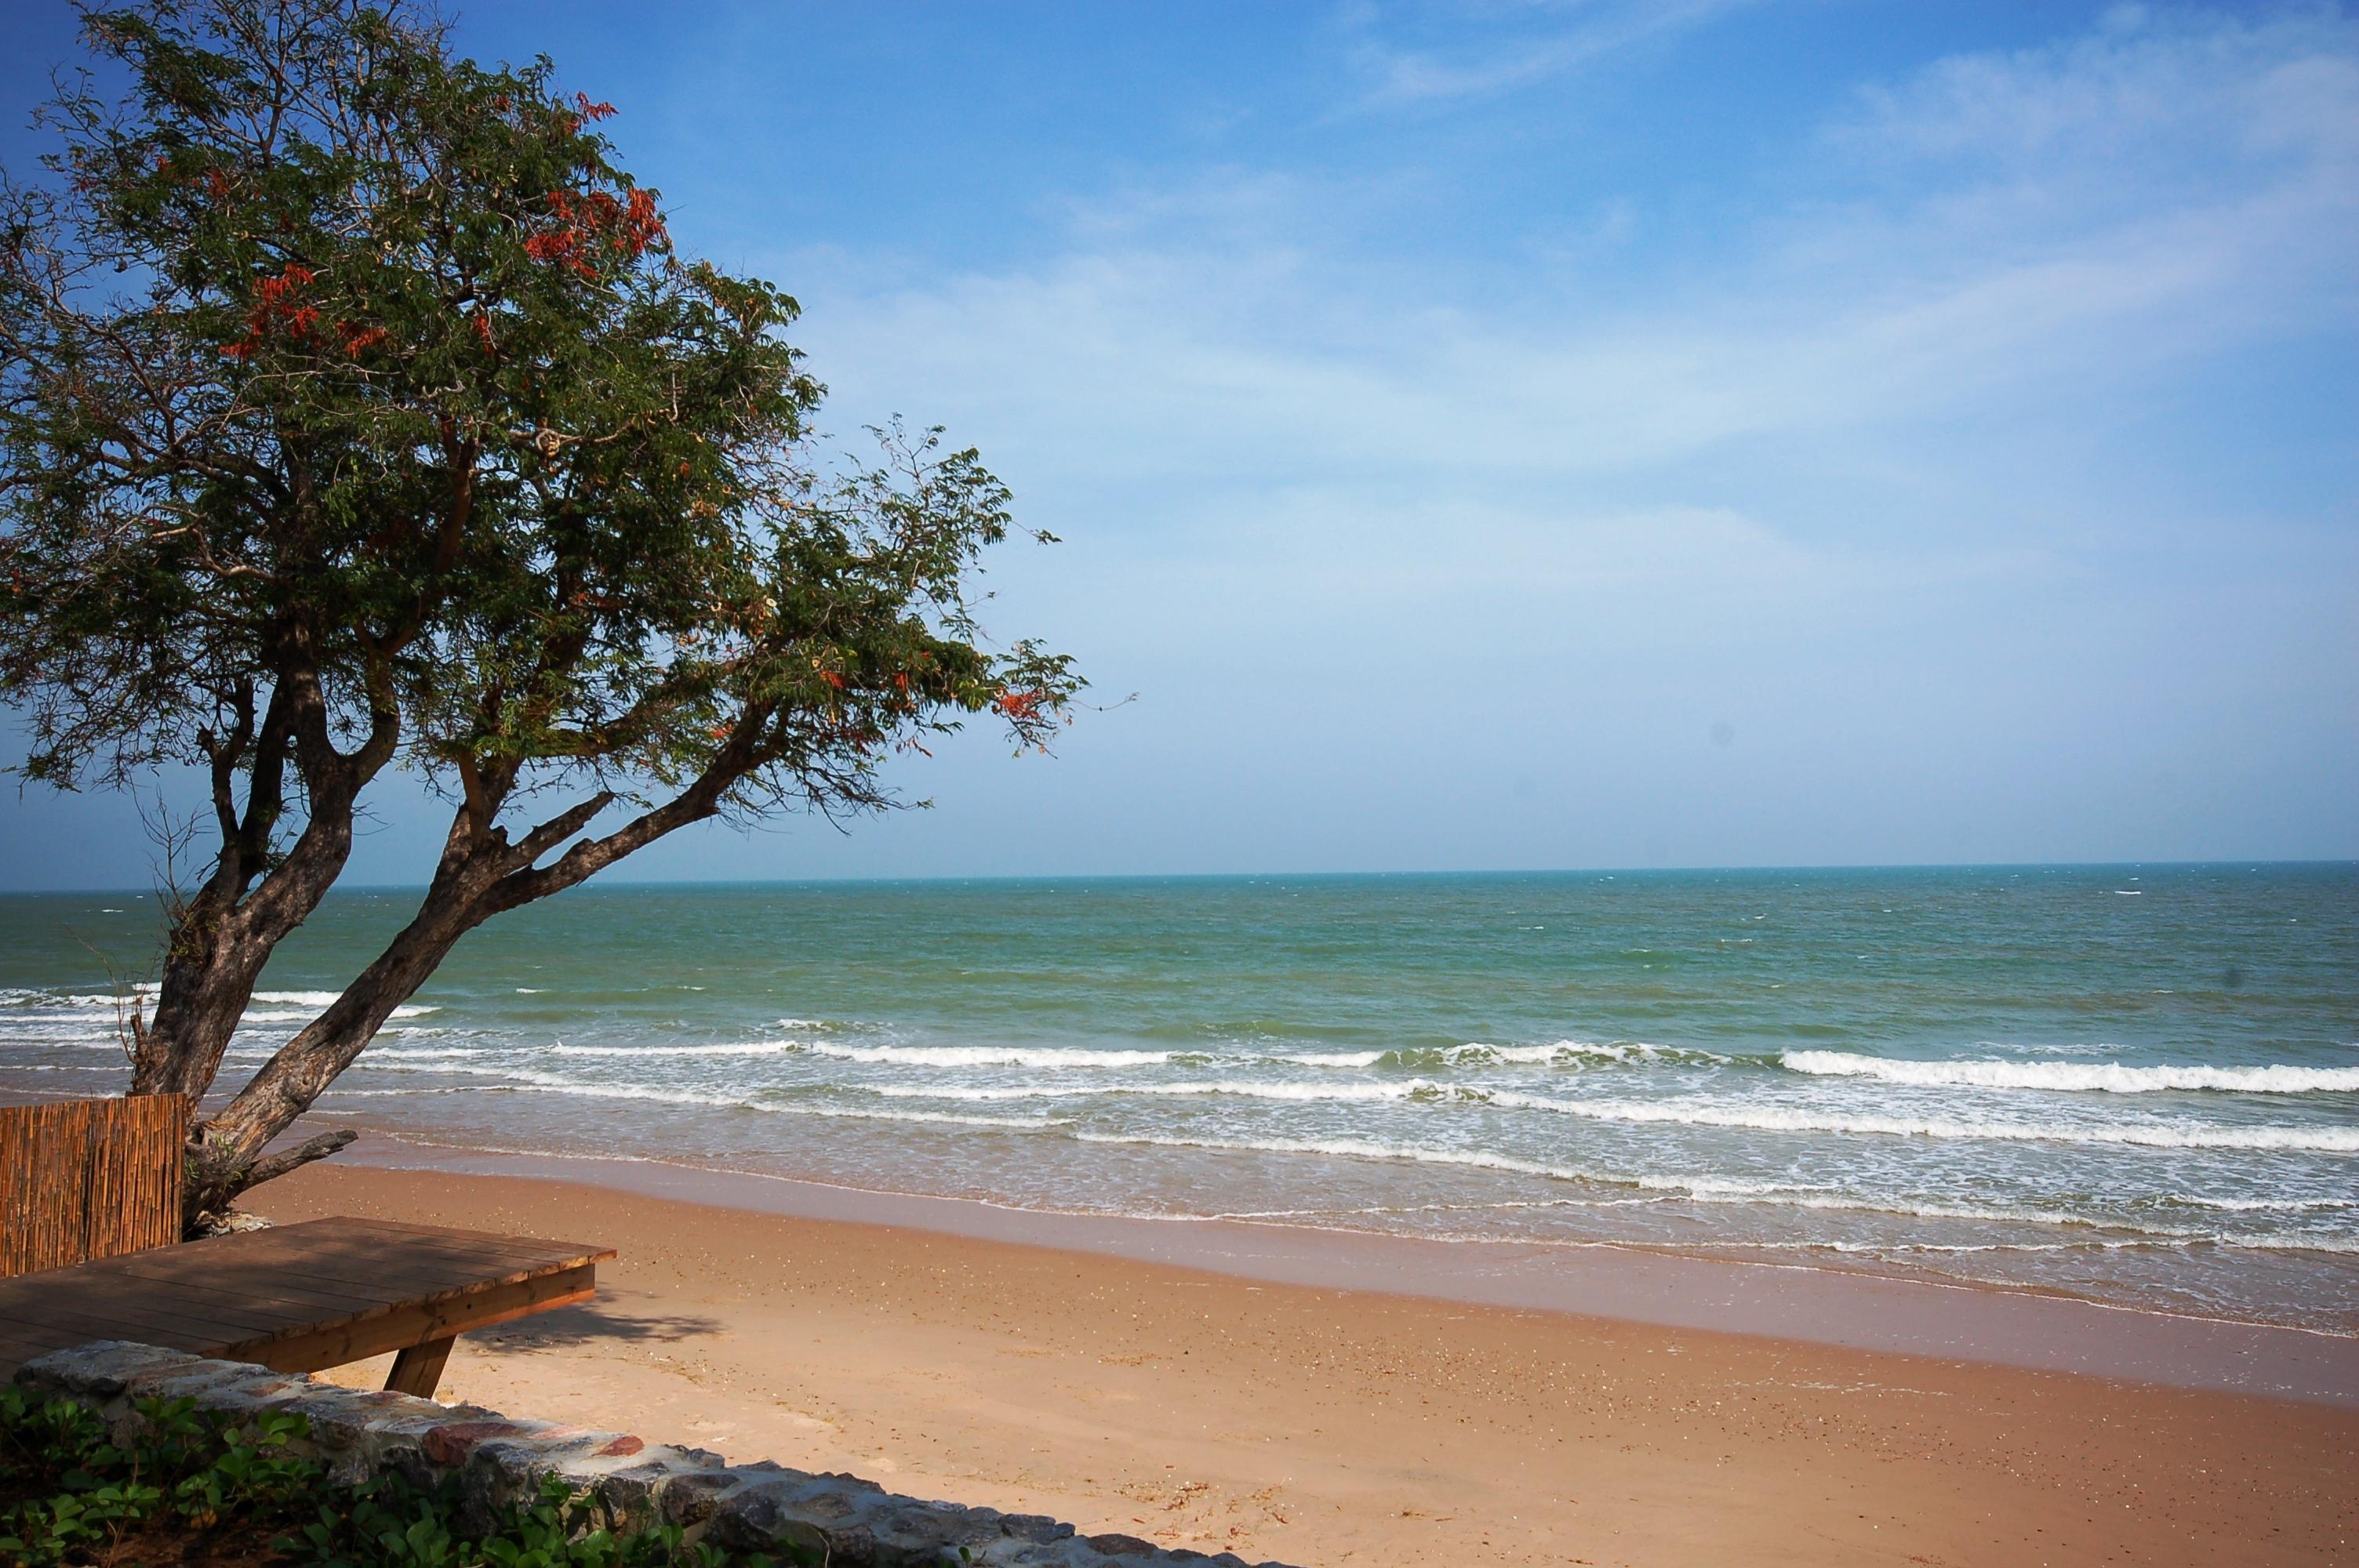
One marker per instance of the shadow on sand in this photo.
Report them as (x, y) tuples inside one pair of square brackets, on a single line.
[(587, 1325)]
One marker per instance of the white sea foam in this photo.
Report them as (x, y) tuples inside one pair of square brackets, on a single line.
[(385, 1061), (1359, 1148), (718, 1101), (88, 1034), (2256, 1206), (1768, 1118), (2293, 1242), (1477, 1051), (2109, 1078), (1481, 1052), (1410, 1089), (52, 1001), (742, 1048), (1717, 1191), (306, 1012), (1781, 1119), (541, 1085), (988, 1056)]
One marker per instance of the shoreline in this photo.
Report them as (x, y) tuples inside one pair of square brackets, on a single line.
[(1837, 1308), (1327, 1423)]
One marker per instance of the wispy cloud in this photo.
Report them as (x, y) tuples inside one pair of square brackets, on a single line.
[(1498, 51), (2032, 230), (1844, 479)]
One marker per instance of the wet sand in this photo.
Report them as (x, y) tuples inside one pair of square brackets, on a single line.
[(1231, 1411)]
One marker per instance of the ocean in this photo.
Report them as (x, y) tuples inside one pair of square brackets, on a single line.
[(2138, 1085)]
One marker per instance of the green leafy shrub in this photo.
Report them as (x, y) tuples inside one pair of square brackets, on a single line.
[(193, 1478)]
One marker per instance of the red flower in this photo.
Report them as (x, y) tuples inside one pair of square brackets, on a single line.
[(585, 224), (271, 307)]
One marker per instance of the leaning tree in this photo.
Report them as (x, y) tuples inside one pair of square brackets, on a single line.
[(358, 414)]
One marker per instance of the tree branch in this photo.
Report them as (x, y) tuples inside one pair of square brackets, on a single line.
[(270, 1167)]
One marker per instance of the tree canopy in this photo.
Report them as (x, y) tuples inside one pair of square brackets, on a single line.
[(357, 411)]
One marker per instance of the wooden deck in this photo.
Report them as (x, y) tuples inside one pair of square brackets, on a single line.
[(300, 1298)]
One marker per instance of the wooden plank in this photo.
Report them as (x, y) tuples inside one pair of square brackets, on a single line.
[(480, 1238), (87, 1329), (410, 1272), (358, 1228), (417, 1369), (302, 1297), (374, 1274), (475, 1252), (166, 1306), (229, 1312), (133, 1316), (15, 1336), (274, 1289), (259, 1286), (364, 1267), (461, 1305), (318, 1261), (394, 1281), (372, 1238), (416, 1325)]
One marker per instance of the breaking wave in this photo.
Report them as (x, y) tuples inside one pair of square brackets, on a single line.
[(2107, 1077), (1779, 1119), (742, 1048), (989, 1056)]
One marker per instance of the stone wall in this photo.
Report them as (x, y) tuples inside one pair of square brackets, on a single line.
[(838, 1520)]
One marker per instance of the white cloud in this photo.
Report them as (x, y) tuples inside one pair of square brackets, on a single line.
[(1474, 67), (2032, 230)]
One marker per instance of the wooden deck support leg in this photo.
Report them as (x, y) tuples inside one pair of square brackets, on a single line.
[(417, 1369)]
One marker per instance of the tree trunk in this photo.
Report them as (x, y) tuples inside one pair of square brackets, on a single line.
[(222, 938), (481, 873)]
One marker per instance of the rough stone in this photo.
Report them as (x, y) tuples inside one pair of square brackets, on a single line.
[(776, 1508), (450, 1442), (632, 1491), (691, 1500), (765, 1506)]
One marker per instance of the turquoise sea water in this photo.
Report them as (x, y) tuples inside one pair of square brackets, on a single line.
[(2136, 1082)]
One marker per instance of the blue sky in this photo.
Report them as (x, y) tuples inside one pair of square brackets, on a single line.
[(1534, 435)]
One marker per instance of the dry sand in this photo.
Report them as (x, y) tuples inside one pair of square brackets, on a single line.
[(1324, 1426)]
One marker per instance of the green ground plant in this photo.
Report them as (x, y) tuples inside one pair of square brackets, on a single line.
[(213, 1491)]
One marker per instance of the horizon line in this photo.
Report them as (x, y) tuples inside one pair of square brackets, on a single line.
[(2252, 863)]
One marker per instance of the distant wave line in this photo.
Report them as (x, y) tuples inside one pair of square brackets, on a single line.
[(1777, 1118), (2108, 1078), (711, 1101)]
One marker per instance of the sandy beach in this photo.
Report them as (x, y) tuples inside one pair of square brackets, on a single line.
[(1320, 1425)]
